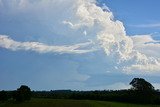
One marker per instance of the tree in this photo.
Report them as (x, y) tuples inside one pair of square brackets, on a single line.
[(23, 93), (141, 85), (143, 91)]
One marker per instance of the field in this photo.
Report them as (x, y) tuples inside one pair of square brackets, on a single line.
[(70, 103)]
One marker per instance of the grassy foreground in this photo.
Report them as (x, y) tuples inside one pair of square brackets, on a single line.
[(70, 103)]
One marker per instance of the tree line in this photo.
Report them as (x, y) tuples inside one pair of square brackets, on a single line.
[(140, 92)]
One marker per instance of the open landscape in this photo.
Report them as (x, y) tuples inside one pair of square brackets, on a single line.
[(141, 94), (70, 103), (79, 53)]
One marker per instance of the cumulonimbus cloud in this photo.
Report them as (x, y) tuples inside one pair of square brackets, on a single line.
[(114, 40), (128, 54)]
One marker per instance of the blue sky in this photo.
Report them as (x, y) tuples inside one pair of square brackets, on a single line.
[(136, 13), (74, 44)]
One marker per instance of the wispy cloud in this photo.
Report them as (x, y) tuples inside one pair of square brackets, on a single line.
[(153, 25), (8, 43)]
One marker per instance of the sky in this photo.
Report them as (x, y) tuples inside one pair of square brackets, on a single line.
[(78, 44)]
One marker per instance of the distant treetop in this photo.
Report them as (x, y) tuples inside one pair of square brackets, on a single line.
[(141, 84)]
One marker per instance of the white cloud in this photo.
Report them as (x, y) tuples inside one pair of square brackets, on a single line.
[(154, 25), (147, 45), (141, 39), (146, 58), (113, 39), (84, 17), (8, 43), (143, 68)]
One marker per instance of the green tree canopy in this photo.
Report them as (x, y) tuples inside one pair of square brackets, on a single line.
[(141, 84), (23, 93)]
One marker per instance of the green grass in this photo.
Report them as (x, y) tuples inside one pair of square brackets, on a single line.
[(70, 103)]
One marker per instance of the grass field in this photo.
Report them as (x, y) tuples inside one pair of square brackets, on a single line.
[(70, 103)]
